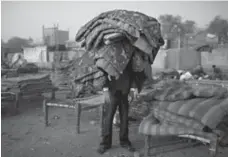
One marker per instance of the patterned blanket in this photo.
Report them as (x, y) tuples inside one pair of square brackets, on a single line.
[(208, 112), (151, 126), (174, 90), (204, 114)]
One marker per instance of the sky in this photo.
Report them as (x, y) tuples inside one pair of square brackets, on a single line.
[(25, 19)]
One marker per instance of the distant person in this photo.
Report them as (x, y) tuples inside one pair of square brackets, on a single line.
[(217, 72)]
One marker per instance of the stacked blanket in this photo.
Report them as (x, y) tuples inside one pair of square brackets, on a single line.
[(119, 38), (28, 84), (79, 76), (201, 113), (185, 109), (128, 24), (174, 90)]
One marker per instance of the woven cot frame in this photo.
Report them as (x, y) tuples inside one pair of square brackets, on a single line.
[(79, 106)]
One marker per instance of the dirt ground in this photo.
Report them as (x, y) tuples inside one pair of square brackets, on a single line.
[(25, 135)]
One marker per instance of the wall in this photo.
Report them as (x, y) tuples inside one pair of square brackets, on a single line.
[(53, 36), (51, 56), (184, 58), (189, 59), (62, 37), (36, 54), (49, 35), (171, 59), (218, 57), (66, 55), (159, 62)]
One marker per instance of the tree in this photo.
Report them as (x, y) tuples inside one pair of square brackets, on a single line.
[(219, 26), (175, 25), (16, 43), (169, 22), (189, 26)]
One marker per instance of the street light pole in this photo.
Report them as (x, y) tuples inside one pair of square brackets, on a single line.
[(179, 48)]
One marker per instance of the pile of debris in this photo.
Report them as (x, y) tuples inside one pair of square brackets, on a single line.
[(197, 73), (18, 66)]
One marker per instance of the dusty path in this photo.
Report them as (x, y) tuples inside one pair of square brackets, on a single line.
[(24, 135)]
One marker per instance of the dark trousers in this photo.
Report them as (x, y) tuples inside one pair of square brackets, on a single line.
[(117, 99)]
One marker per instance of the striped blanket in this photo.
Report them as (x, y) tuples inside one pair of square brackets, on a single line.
[(174, 90), (209, 112), (202, 114), (151, 126)]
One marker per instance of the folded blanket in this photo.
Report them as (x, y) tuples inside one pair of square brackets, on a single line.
[(206, 111), (174, 119), (210, 91), (151, 126), (28, 83), (132, 24), (174, 90)]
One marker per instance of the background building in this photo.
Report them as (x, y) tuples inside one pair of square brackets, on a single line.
[(54, 37)]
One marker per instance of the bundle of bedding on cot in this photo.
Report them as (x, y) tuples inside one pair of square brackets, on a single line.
[(178, 108)]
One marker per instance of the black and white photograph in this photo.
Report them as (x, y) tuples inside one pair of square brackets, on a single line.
[(114, 78)]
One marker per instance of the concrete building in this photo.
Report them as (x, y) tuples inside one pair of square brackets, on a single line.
[(53, 36), (36, 54)]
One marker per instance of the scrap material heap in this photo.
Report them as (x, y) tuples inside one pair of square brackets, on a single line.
[(116, 39)]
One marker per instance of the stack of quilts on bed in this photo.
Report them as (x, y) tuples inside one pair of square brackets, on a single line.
[(195, 109), (28, 84)]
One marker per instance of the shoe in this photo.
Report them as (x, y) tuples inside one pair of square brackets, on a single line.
[(102, 149), (127, 146), (132, 119), (116, 125)]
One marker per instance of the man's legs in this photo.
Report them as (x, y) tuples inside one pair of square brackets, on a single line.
[(123, 109), (106, 140)]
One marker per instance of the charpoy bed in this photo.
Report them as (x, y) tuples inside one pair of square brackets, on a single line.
[(197, 118)]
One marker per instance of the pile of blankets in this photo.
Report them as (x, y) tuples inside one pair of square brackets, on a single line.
[(195, 109), (28, 84), (118, 38), (79, 76), (114, 41)]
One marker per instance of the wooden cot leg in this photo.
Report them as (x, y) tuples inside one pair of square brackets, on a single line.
[(53, 94), (45, 110), (16, 104), (78, 116), (213, 148), (147, 145)]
